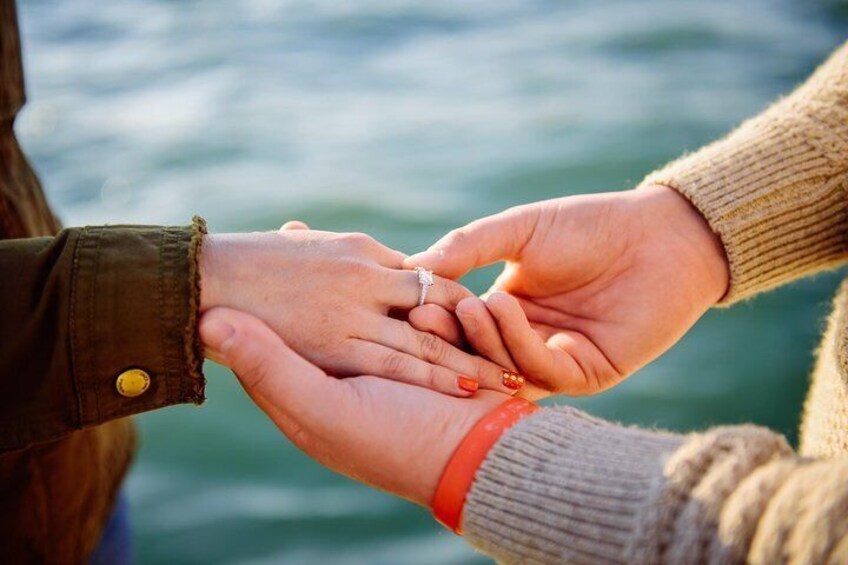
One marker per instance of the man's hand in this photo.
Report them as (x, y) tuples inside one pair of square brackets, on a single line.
[(393, 436), (329, 296), (594, 287)]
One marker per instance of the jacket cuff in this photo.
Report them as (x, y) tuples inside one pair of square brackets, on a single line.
[(774, 190), (562, 487), (135, 296)]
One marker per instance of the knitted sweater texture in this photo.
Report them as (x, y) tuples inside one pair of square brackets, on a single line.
[(562, 486)]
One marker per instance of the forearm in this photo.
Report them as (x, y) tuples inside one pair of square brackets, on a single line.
[(562, 486), (83, 307), (775, 189)]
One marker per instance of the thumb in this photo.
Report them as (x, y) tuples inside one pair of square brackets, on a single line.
[(500, 237), (277, 378)]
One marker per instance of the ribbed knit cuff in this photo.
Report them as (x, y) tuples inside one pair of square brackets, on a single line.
[(562, 486), (775, 189)]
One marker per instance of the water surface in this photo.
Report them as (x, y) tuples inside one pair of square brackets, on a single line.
[(402, 119)]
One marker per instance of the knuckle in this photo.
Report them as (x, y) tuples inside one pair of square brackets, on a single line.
[(484, 368), (454, 291), (431, 379), (359, 240), (395, 365), (433, 348), (518, 210), (458, 237), (359, 269), (255, 373)]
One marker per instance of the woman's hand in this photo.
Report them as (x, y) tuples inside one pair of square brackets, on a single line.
[(594, 287), (329, 295), (395, 437)]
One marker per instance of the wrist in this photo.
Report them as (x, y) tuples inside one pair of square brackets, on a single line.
[(208, 270), (458, 475), (699, 249)]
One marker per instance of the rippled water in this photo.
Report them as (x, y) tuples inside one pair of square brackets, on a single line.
[(402, 119)]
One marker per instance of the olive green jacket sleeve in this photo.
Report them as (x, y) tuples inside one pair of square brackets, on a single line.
[(80, 308)]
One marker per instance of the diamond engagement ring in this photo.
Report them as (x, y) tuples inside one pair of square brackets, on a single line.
[(425, 280)]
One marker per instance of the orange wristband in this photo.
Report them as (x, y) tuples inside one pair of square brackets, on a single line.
[(459, 473)]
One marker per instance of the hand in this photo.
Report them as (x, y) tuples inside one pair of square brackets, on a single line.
[(329, 296), (389, 435), (594, 287)]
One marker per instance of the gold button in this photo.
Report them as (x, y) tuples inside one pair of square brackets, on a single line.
[(132, 383)]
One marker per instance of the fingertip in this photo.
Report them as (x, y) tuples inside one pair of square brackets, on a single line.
[(471, 306), (469, 303), (466, 311), (237, 339), (503, 305), (216, 330), (513, 381), (294, 225), (425, 318), (420, 318), (504, 380), (434, 319), (468, 385), (499, 298)]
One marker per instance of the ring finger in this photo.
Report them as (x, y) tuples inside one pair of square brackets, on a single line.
[(433, 349), (381, 361), (403, 290)]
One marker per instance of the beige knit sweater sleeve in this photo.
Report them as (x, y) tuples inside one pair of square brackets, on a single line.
[(775, 189), (563, 487)]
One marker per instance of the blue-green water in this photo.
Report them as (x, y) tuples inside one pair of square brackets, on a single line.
[(402, 119)]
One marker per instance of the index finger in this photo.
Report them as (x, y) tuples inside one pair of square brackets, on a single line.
[(482, 242)]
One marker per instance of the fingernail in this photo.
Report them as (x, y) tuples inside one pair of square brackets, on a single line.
[(214, 355), (468, 385), (512, 380)]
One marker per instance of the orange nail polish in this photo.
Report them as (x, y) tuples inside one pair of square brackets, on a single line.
[(512, 380), (468, 385)]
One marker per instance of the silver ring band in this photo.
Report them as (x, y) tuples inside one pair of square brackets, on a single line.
[(425, 281)]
